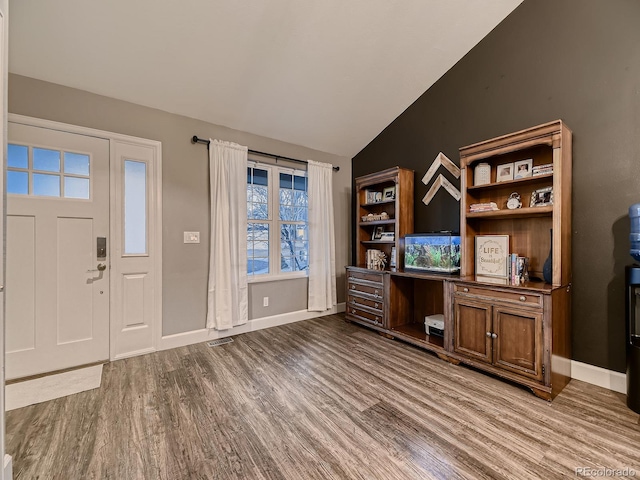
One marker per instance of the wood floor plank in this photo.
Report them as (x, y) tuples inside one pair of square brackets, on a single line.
[(319, 399)]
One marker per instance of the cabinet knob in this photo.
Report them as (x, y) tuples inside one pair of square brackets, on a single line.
[(353, 310), (376, 305), (375, 292), (353, 287), (523, 298), (494, 335), (465, 289), (489, 334)]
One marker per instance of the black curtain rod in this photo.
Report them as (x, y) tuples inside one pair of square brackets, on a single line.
[(195, 139)]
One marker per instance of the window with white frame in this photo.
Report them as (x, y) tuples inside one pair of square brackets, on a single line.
[(277, 210), (45, 172)]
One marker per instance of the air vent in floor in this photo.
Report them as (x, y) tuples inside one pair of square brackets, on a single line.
[(220, 341)]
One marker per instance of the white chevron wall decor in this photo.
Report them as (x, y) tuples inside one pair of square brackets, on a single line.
[(441, 181)]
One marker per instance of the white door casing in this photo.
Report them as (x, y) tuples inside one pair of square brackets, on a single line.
[(6, 466), (135, 280), (57, 301)]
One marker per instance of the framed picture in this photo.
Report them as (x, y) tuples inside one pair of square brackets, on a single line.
[(542, 197), (491, 255), (388, 236), (504, 172), (377, 197), (523, 168), (377, 233), (389, 193)]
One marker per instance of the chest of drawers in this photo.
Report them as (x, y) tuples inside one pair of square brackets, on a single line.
[(366, 297)]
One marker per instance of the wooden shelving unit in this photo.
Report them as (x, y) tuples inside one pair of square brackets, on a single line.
[(522, 331), (517, 332), (399, 210), (529, 228)]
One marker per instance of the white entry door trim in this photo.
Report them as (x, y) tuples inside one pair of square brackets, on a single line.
[(135, 317)]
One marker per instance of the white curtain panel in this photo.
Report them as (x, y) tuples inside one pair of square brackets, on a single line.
[(227, 299), (322, 256)]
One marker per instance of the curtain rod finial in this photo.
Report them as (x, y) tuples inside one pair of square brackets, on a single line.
[(194, 139)]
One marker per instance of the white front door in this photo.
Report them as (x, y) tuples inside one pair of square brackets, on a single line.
[(57, 266)]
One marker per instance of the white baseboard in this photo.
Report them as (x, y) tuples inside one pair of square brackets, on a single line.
[(135, 353), (205, 334), (8, 467), (599, 376), (38, 390)]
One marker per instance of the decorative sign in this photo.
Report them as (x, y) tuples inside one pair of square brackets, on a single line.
[(443, 160), (491, 255), (441, 182)]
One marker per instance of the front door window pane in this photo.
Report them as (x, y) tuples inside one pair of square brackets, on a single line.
[(46, 160), (76, 163), (135, 207), (17, 156), (17, 182), (46, 185), (75, 187)]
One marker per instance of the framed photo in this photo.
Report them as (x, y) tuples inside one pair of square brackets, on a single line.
[(377, 197), (377, 233), (389, 193), (388, 236), (542, 197), (523, 168), (491, 255), (504, 172)]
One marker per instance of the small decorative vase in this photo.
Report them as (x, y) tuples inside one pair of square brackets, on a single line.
[(547, 268)]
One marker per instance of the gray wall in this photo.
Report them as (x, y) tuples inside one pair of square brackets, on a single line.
[(576, 60), (186, 192)]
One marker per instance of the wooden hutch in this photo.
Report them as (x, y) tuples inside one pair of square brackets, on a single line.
[(518, 332)]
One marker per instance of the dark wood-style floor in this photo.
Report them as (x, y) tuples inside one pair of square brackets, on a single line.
[(315, 400)]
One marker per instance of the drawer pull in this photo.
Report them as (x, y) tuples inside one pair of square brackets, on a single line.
[(494, 335), (353, 287), (465, 289), (376, 305), (377, 319), (523, 298), (353, 310), (488, 334), (375, 292)]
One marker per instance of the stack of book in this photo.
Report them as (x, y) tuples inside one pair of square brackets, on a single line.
[(483, 207), (518, 269), (542, 170), (376, 260)]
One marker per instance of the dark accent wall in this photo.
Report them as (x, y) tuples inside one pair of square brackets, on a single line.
[(575, 60)]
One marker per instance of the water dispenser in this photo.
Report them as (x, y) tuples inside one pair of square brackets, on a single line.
[(633, 313)]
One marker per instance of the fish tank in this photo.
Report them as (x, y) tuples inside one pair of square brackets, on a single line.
[(432, 252)]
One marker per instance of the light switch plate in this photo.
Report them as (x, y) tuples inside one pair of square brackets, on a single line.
[(191, 237)]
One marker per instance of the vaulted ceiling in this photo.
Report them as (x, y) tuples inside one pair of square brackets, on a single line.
[(325, 74)]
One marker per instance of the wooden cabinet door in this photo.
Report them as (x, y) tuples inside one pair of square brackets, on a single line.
[(518, 341), (472, 329)]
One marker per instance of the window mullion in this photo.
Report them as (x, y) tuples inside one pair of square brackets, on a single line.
[(275, 217)]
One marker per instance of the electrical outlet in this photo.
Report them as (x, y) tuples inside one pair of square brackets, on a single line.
[(191, 237), (265, 301)]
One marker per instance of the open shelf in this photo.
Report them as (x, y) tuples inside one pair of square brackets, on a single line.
[(514, 183), (417, 331), (378, 242), (526, 212), (391, 221), (382, 202)]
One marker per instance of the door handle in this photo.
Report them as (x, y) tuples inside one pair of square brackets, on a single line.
[(101, 268)]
